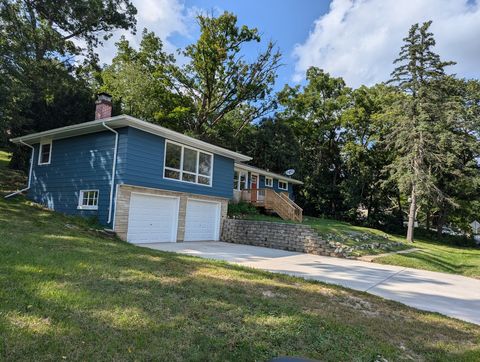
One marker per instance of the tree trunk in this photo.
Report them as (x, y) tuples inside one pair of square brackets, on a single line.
[(399, 211), (428, 220), (411, 215), (369, 209), (440, 222)]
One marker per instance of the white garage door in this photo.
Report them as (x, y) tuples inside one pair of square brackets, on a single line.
[(202, 221), (152, 219)]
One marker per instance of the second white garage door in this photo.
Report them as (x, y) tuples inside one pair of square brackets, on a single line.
[(152, 219), (202, 221)]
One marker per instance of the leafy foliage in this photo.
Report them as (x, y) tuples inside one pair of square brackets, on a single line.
[(140, 81), (217, 78), (369, 155), (44, 88), (241, 208), (315, 115)]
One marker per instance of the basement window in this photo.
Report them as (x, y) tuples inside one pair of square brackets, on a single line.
[(88, 200)]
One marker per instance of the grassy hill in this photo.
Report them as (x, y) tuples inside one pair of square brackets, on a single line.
[(67, 292), (432, 254)]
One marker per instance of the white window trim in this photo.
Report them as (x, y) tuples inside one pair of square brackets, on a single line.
[(40, 163), (281, 188), (87, 207), (238, 180), (197, 174), (270, 183)]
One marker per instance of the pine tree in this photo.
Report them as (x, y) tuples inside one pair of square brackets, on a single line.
[(415, 134)]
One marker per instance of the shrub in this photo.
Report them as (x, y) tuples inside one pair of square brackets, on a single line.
[(241, 208), (454, 240)]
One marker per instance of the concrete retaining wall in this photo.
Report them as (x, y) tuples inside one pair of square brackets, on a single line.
[(276, 235)]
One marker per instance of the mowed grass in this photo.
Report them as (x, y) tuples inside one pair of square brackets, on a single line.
[(10, 180), (66, 292), (69, 293), (439, 257), (432, 254)]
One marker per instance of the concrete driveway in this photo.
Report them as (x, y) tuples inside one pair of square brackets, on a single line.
[(449, 294)]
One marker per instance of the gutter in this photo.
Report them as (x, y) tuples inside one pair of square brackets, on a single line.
[(114, 167), (29, 173)]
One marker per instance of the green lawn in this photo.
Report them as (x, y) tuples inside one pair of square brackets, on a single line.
[(10, 180), (438, 257), (433, 255), (69, 293)]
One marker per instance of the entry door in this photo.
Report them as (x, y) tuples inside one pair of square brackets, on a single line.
[(152, 219), (254, 187), (202, 221)]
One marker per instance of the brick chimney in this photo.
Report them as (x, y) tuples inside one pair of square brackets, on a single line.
[(103, 106)]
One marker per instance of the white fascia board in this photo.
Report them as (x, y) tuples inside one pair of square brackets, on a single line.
[(127, 121), (242, 166)]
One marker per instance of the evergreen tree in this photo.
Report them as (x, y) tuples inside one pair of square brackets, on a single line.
[(419, 120)]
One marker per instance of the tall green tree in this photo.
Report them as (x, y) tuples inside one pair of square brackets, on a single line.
[(141, 82), (275, 145), (458, 179), (419, 120), (367, 192), (218, 79), (315, 112), (39, 48)]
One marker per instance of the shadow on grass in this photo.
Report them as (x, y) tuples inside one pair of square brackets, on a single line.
[(204, 310), (68, 292)]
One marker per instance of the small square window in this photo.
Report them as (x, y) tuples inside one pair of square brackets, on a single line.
[(88, 200), (268, 182), (282, 185), (45, 153)]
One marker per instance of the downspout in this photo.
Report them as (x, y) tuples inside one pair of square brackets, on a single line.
[(29, 173), (114, 166)]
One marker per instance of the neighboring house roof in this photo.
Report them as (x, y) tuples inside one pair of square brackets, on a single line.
[(267, 173), (124, 121)]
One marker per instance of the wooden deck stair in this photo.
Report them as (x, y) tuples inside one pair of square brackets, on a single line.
[(271, 200)]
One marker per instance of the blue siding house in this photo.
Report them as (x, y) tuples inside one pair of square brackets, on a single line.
[(146, 182)]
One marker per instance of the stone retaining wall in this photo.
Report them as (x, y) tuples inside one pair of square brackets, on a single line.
[(276, 235)]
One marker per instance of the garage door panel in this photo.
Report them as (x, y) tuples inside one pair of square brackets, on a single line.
[(202, 220), (152, 219)]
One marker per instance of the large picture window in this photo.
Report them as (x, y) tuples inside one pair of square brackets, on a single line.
[(187, 164)]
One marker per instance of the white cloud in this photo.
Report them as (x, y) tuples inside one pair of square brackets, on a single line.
[(164, 17), (359, 39)]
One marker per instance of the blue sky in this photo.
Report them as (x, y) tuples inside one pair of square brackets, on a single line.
[(284, 22), (353, 39)]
